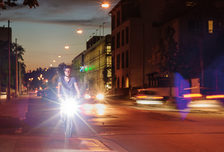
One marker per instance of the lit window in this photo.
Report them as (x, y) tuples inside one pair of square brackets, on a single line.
[(127, 82), (190, 3), (210, 26)]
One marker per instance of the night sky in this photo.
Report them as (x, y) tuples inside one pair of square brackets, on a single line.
[(45, 30)]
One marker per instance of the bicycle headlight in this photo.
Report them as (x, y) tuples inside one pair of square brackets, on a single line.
[(69, 106)]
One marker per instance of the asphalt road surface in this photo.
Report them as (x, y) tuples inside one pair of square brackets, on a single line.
[(33, 124)]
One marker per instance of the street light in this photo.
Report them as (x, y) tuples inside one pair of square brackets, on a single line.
[(79, 31), (59, 56), (105, 5), (66, 47), (54, 61)]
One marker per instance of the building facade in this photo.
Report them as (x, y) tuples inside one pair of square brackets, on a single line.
[(94, 65), (153, 40), (5, 39), (133, 37), (77, 64), (199, 44)]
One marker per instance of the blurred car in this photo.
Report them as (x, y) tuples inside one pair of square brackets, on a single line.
[(148, 97), (40, 92), (205, 99), (93, 103), (50, 93), (92, 97)]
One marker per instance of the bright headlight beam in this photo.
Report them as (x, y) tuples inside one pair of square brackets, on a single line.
[(69, 107), (100, 96)]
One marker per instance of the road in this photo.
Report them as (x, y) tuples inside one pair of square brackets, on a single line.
[(33, 124)]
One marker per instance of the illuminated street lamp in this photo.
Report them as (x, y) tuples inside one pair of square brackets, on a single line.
[(51, 65), (66, 47), (59, 56), (105, 5), (79, 31), (54, 61)]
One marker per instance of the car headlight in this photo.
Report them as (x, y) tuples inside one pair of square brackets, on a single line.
[(100, 109), (100, 96), (87, 96)]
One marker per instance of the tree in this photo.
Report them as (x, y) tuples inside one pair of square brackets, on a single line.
[(176, 59), (4, 4), (168, 52), (20, 52), (4, 62)]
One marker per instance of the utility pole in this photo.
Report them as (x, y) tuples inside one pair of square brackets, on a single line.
[(16, 86), (9, 61), (99, 71), (100, 29), (20, 81), (103, 28)]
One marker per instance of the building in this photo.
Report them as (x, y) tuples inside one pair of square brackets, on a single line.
[(77, 65), (93, 66), (4, 33), (147, 34), (198, 32), (5, 38), (133, 37)]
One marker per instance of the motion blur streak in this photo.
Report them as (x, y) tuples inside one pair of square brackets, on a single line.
[(214, 96), (193, 95)]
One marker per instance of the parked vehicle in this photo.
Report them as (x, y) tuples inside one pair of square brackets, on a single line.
[(50, 93), (40, 92)]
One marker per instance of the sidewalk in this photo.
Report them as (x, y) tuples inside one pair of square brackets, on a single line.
[(15, 107)]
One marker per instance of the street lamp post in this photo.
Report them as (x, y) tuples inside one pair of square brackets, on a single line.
[(103, 27), (79, 31), (105, 5), (16, 86), (67, 47)]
